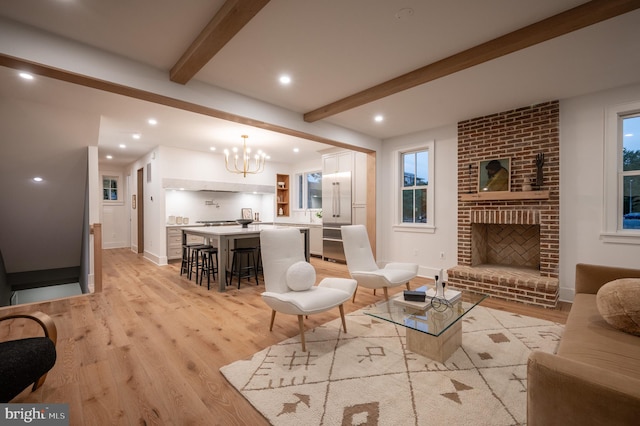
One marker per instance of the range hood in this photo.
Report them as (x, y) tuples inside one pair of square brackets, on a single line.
[(207, 185)]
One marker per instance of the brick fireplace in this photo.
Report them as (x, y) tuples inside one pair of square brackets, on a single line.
[(508, 241)]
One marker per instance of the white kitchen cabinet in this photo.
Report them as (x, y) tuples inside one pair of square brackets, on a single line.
[(174, 242)]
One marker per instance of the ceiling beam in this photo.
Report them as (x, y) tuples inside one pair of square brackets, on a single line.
[(132, 92), (227, 22), (563, 23)]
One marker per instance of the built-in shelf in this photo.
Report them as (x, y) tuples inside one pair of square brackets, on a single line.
[(282, 195), (506, 196)]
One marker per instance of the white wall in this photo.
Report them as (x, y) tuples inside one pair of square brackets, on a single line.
[(582, 124), (421, 248)]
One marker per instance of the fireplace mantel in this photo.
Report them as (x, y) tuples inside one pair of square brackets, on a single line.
[(505, 196)]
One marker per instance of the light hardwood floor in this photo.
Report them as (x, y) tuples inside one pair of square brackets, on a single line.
[(147, 350)]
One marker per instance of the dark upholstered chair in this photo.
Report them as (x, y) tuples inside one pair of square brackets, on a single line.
[(27, 360)]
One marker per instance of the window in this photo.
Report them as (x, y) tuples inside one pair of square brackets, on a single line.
[(309, 194), (630, 175), (109, 188), (415, 183), (415, 172), (622, 175)]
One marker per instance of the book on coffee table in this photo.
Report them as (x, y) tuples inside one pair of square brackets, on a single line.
[(450, 295)]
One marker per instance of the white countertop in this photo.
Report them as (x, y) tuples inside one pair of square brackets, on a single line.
[(237, 229)]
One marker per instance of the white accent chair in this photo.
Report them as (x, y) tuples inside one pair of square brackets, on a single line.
[(363, 267), (281, 250)]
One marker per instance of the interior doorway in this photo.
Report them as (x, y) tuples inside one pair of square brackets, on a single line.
[(140, 181)]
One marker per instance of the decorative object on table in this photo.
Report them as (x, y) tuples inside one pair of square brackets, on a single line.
[(246, 213), (494, 175), (281, 185), (185, 220), (414, 295), (244, 222), (171, 220), (539, 164), (319, 214), (178, 220), (258, 165), (256, 217), (280, 212), (439, 285), (357, 374)]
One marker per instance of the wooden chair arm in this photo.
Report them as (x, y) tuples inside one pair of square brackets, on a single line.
[(44, 320)]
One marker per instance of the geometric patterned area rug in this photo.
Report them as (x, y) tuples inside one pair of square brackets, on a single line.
[(367, 377)]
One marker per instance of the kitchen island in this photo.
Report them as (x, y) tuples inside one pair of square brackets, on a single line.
[(221, 236)]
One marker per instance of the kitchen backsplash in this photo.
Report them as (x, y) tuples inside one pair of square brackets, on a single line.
[(209, 205)]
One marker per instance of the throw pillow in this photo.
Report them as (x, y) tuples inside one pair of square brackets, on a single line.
[(301, 276), (619, 304)]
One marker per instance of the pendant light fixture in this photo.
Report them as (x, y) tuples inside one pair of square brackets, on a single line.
[(247, 167)]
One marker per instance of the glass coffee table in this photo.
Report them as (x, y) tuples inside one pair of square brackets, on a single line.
[(434, 327)]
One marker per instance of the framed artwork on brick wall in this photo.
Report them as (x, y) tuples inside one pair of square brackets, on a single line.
[(494, 175)]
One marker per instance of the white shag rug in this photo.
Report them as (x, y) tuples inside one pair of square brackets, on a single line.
[(368, 377)]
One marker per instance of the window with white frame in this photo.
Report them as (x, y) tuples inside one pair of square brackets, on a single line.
[(309, 190), (630, 174), (622, 174), (110, 188), (415, 196)]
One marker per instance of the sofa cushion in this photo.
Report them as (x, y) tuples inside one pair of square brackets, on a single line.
[(619, 304), (301, 276), (588, 338)]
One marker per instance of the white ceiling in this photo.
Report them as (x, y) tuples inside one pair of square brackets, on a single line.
[(331, 49)]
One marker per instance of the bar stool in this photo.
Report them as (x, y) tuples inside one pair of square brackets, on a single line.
[(209, 265), (195, 259), (259, 259), (186, 258), (244, 264)]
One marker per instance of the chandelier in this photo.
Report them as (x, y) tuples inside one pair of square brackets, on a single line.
[(258, 163)]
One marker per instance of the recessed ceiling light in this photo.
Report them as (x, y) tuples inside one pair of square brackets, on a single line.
[(378, 118), (37, 179), (213, 148), (26, 75), (136, 136), (296, 150), (285, 79), (122, 146), (152, 121), (109, 157)]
